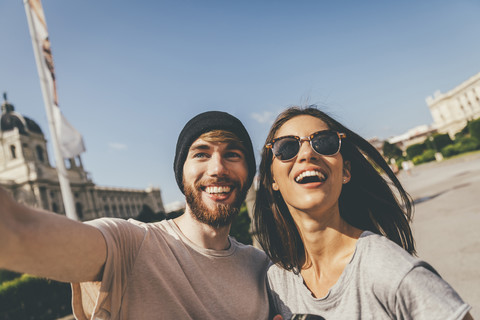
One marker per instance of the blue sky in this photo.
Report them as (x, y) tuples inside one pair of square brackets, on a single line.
[(130, 74)]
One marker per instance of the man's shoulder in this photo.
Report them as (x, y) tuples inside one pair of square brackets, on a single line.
[(118, 226)]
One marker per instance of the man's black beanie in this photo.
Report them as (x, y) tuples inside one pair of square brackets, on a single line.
[(206, 122)]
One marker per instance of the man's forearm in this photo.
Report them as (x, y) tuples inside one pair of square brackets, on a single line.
[(47, 244)]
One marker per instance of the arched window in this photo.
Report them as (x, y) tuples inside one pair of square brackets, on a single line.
[(40, 156), (13, 152)]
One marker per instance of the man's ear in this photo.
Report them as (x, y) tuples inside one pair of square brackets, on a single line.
[(346, 171)]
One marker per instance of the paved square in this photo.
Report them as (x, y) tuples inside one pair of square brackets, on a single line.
[(446, 222)]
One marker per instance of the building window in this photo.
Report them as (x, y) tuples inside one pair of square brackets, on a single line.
[(79, 209), (54, 207), (13, 152), (40, 154)]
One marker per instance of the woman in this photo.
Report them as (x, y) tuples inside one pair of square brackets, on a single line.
[(339, 239)]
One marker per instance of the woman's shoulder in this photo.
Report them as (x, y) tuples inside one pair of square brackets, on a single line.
[(384, 262), (380, 251)]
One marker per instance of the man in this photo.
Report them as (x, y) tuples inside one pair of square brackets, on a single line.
[(185, 268)]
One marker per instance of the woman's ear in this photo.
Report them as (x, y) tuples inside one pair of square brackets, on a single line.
[(346, 171), (274, 185)]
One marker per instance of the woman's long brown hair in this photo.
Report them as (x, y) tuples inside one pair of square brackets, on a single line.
[(367, 202)]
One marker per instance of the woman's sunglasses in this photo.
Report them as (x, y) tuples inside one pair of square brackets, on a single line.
[(326, 143)]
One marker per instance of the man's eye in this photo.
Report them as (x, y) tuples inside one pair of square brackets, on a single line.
[(233, 154), (200, 155)]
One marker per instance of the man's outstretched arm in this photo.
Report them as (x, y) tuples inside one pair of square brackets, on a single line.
[(47, 244)]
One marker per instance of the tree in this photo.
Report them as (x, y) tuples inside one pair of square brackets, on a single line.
[(391, 150), (440, 141), (240, 229), (474, 128), (147, 215), (415, 150)]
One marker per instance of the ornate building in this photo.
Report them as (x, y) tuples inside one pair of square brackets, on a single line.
[(452, 110), (25, 171)]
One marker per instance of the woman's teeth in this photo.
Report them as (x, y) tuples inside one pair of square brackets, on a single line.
[(310, 173)]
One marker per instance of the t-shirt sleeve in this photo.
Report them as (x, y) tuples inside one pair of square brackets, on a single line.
[(103, 299), (423, 294)]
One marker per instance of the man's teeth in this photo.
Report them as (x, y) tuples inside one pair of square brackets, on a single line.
[(310, 173), (219, 189)]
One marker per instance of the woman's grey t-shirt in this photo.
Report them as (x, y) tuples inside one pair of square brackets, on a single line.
[(382, 281)]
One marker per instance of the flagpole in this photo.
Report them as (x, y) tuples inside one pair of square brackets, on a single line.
[(65, 188)]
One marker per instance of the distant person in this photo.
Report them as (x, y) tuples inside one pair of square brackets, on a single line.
[(394, 167), (185, 268), (407, 167), (340, 241)]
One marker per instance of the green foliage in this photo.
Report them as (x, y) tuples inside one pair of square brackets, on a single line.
[(28, 297), (415, 150), (391, 150), (400, 161), (461, 145), (240, 229), (417, 160), (467, 144), (474, 129), (440, 141), (147, 215), (175, 214), (426, 156), (462, 133), (6, 275), (449, 151)]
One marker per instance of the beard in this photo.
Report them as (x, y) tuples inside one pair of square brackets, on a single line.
[(222, 214)]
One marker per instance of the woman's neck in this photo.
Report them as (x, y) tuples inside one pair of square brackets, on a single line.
[(329, 246)]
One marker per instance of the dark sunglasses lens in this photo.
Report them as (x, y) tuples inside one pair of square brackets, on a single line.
[(326, 143), (285, 149)]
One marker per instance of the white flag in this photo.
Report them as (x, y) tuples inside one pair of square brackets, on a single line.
[(70, 140)]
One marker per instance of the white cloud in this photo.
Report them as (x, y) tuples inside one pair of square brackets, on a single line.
[(117, 146), (264, 117)]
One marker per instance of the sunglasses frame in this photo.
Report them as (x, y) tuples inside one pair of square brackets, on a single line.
[(307, 138)]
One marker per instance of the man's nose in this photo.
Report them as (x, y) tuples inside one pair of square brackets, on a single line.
[(216, 165)]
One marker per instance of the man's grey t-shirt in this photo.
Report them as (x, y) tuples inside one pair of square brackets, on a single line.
[(382, 281), (153, 271)]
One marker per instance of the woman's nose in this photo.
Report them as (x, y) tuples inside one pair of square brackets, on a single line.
[(306, 152)]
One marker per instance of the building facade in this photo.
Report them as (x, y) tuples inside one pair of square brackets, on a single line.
[(25, 171), (452, 110)]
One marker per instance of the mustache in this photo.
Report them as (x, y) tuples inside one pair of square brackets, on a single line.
[(220, 180)]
